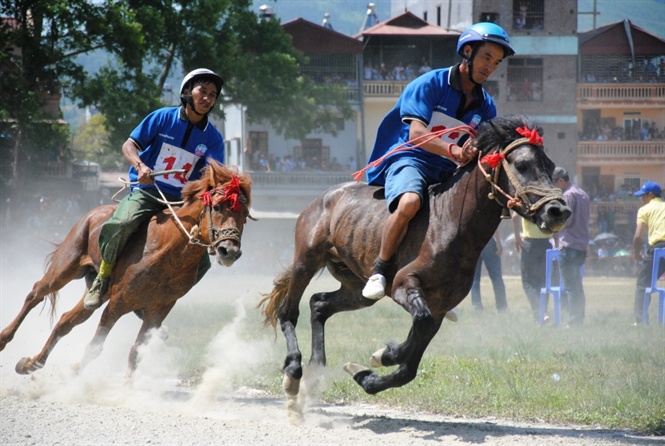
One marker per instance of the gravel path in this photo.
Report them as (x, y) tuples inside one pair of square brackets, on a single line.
[(178, 418)]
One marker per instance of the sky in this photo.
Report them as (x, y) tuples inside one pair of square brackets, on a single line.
[(647, 14), (347, 15)]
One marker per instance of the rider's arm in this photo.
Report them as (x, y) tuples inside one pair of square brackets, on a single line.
[(131, 153), (437, 146), (638, 240)]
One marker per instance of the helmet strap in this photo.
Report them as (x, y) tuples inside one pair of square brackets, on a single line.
[(469, 63), (187, 98)]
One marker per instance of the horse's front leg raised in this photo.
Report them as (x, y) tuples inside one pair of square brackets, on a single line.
[(408, 354)]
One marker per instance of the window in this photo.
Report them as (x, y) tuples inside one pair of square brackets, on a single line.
[(528, 14), (525, 80), (492, 17), (438, 16)]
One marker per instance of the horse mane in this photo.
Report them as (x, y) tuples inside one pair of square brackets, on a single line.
[(501, 131), (214, 175), (494, 134)]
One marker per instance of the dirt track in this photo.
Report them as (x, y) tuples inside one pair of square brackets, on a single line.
[(252, 419)]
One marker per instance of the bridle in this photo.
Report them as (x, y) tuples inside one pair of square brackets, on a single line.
[(231, 193), (217, 235), (521, 199)]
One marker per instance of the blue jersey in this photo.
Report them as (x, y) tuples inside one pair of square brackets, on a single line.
[(435, 99), (167, 140)]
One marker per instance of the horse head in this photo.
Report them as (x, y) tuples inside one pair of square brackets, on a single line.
[(226, 198), (520, 173)]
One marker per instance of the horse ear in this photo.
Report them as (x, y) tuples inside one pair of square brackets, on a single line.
[(501, 132), (211, 175)]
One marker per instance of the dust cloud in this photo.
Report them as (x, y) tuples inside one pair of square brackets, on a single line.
[(267, 249)]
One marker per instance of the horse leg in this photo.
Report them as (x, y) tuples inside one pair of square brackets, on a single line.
[(55, 279), (69, 320), (151, 320), (109, 317), (302, 273), (408, 354), (324, 305)]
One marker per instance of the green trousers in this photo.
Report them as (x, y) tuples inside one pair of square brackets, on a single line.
[(134, 210)]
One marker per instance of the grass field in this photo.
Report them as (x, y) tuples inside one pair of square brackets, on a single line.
[(607, 373)]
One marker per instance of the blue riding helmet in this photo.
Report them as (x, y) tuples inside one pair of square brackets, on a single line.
[(485, 32)]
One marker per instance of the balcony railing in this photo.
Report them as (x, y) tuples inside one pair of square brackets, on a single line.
[(651, 93), (378, 89), (654, 150), (304, 181)]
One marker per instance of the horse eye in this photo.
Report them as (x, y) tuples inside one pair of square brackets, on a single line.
[(217, 208)]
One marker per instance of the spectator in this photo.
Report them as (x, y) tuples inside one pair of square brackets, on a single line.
[(491, 256), (398, 72), (532, 246), (573, 241), (424, 67), (650, 220)]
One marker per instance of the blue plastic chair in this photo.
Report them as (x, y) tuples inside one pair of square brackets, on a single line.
[(658, 255), (555, 291)]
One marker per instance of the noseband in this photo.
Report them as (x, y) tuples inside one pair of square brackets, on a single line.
[(521, 197)]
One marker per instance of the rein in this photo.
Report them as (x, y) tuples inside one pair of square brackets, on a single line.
[(521, 198), (416, 142), (231, 193)]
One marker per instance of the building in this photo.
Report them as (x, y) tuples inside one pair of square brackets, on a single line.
[(620, 119), (288, 174), (395, 52)]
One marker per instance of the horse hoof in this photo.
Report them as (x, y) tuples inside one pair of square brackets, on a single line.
[(21, 368), (375, 359), (290, 385), (353, 369), (451, 316)]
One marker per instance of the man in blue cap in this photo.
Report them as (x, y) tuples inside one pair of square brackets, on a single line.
[(650, 219)]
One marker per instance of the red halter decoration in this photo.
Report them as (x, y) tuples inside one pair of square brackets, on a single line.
[(531, 134), (207, 198), (493, 160), (232, 193)]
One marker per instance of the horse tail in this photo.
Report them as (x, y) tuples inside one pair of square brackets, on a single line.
[(52, 297), (272, 301)]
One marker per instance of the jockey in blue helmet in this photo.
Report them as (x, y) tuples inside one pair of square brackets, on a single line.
[(478, 34)]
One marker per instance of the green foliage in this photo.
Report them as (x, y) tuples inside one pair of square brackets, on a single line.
[(147, 39)]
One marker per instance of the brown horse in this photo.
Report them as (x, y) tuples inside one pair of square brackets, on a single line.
[(157, 267), (434, 266)]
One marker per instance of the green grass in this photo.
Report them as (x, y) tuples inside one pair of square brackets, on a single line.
[(611, 374)]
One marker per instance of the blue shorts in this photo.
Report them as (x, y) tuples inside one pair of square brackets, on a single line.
[(411, 174)]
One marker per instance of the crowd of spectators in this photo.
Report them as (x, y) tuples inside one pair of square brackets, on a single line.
[(644, 70), (399, 72), (594, 131)]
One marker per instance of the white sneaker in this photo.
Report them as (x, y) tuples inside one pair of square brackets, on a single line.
[(451, 316), (375, 288)]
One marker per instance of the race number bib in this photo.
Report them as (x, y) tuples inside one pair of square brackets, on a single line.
[(172, 157), (441, 121)]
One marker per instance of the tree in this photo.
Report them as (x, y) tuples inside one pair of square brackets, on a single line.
[(147, 39)]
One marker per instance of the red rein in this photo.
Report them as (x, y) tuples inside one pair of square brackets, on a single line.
[(492, 160)]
